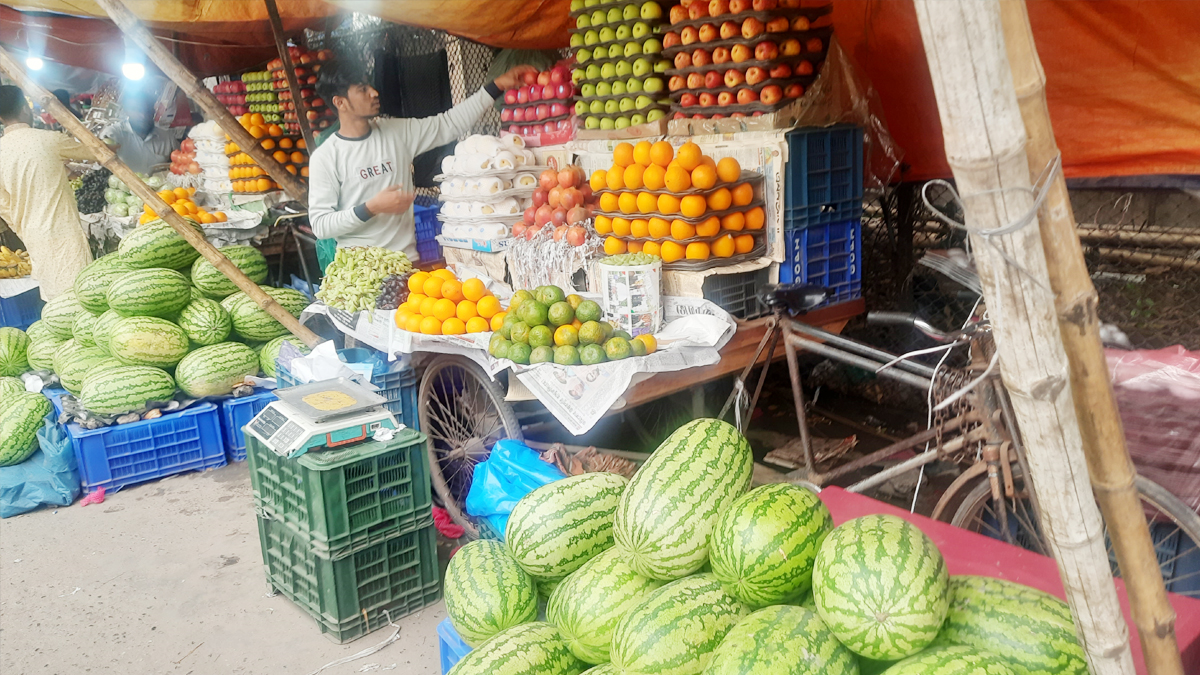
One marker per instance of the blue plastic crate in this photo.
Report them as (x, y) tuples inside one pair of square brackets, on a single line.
[(429, 250), (398, 388), (826, 255), (823, 180), (20, 311), (237, 413), (450, 646), (426, 222)]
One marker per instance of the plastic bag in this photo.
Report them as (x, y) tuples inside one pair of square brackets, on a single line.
[(512, 471), (50, 476)]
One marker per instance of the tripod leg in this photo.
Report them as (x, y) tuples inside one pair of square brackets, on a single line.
[(770, 335), (798, 398)]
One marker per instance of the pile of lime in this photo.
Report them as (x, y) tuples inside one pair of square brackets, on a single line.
[(630, 259), (548, 326)]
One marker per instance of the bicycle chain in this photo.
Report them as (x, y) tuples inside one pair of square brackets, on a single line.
[(946, 382)]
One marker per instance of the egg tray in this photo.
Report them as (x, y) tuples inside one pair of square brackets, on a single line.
[(824, 33), (816, 58), (676, 216), (746, 177), (514, 192), (758, 234), (566, 102), (686, 265), (493, 173), (805, 80), (812, 13)]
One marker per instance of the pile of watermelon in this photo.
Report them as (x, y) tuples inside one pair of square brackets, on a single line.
[(683, 571), (154, 317)]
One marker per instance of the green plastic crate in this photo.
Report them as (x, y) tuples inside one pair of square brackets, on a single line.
[(348, 596), (343, 500)]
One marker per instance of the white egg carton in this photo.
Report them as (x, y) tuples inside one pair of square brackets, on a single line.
[(483, 231), (518, 193)]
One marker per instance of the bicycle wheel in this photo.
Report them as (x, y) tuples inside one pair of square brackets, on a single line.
[(463, 412), (1174, 528)]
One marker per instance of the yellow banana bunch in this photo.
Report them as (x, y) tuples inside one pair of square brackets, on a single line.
[(14, 264)]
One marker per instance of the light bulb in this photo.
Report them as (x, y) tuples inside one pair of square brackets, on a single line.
[(34, 63), (133, 71)]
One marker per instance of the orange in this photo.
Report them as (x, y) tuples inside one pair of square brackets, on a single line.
[(668, 204), (257, 118), (659, 228), (639, 228), (697, 250), (245, 120), (661, 153), (257, 131), (647, 202), (299, 157), (743, 243), (268, 144), (641, 153), (454, 326), (723, 247), (678, 179), (708, 161), (634, 247), (603, 223), (692, 206), (743, 194), (265, 184), (488, 307), (473, 290), (433, 286), (609, 202), (416, 283), (654, 177), (704, 177), (181, 193), (620, 227), (671, 251), (431, 326), (181, 209), (304, 171), (275, 130), (167, 196), (598, 180), (497, 320), (633, 176), (755, 218), (720, 199), (221, 217), (628, 202), (192, 208), (615, 178), (427, 306), (681, 230), (577, 324), (651, 248), (648, 340), (207, 218), (452, 290), (401, 317), (285, 143), (301, 144), (709, 228), (613, 246), (280, 156), (291, 168), (734, 221), (478, 324), (146, 217), (623, 155), (688, 156), (414, 302), (413, 323), (444, 273), (728, 170), (466, 310)]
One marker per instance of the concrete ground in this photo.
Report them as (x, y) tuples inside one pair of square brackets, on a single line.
[(167, 577)]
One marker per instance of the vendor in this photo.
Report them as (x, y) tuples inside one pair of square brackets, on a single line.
[(143, 143), (360, 182), (35, 197)]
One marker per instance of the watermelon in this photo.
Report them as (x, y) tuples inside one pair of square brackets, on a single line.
[(561, 525), (951, 661), (157, 244), (14, 350), (147, 341), (1033, 631), (91, 284), (881, 585), (602, 669), (81, 330), (214, 284), (102, 329), (205, 321), (149, 292), (216, 369), (587, 605), (546, 586), (41, 354), (126, 389), (75, 368), (269, 353), (58, 315), (98, 367), (666, 516), (39, 331), (763, 546), (781, 640), (65, 353), (528, 649), (253, 323), (10, 386), (20, 420), (487, 591), (676, 628)]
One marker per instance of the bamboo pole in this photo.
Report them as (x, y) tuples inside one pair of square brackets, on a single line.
[(172, 68), (109, 160), (985, 145), (1156, 259), (301, 108), (1111, 470)]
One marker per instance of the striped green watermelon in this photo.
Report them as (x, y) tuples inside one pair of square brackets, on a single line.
[(781, 640), (153, 291), (147, 341), (20, 420), (39, 331), (881, 585), (587, 605), (91, 284), (102, 329), (270, 352), (9, 386), (253, 323), (41, 353), (602, 669), (58, 315), (125, 389), (487, 591), (666, 516), (676, 628), (14, 350), (99, 367), (952, 661), (1033, 631), (558, 527), (65, 353), (81, 330), (157, 244), (213, 283), (75, 368), (205, 321), (216, 369), (528, 649), (546, 586), (763, 546)]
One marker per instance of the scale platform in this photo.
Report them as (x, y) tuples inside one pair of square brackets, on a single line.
[(320, 416)]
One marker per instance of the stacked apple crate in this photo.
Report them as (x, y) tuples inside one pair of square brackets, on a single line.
[(620, 68), (742, 58), (306, 64)]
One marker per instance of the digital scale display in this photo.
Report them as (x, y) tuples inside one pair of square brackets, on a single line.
[(319, 416)]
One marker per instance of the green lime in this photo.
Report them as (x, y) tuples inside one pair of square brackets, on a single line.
[(560, 313), (519, 332), (608, 329), (532, 312), (541, 336), (566, 355), (588, 310), (638, 347), (497, 340), (548, 295), (506, 325), (623, 334), (590, 333), (617, 348), (517, 299), (499, 347), (575, 299), (541, 355), (519, 352), (592, 354)]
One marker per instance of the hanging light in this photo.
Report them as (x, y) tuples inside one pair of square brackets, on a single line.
[(133, 71), (133, 68), (34, 63)]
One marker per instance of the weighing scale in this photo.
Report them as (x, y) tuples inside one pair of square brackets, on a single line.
[(320, 416)]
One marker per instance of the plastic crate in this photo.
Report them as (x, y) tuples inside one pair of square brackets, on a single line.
[(426, 223), (235, 414), (451, 647), (826, 255), (738, 293), (429, 250), (345, 499), (348, 596), (20, 311), (398, 388), (823, 180)]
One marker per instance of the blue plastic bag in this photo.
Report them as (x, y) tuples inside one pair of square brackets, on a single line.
[(512, 471), (50, 476)]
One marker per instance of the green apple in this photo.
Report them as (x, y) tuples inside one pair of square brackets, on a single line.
[(622, 123), (577, 40), (636, 119), (590, 3), (653, 85), (644, 102), (618, 88), (632, 49), (633, 86), (576, 5), (630, 12), (587, 90), (651, 46), (641, 29), (591, 123), (577, 75), (662, 66), (596, 107), (615, 51), (581, 108), (584, 21), (607, 34), (593, 71), (611, 106), (603, 89), (624, 32), (583, 56), (615, 16), (650, 11), (624, 69), (599, 18), (590, 38), (642, 67), (627, 104), (655, 115), (608, 71), (600, 53), (607, 123)]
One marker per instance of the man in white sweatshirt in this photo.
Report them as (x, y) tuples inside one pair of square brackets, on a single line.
[(360, 182)]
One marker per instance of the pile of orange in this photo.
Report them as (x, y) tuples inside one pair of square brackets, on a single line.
[(439, 304), (637, 172), (245, 173), (180, 199)]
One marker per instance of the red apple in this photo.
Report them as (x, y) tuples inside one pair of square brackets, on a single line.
[(720, 55), (754, 75), (738, 6), (531, 113), (676, 83), (745, 96), (567, 178), (542, 215), (519, 229), (689, 35), (699, 116), (684, 60), (712, 79), (678, 13), (764, 5), (559, 75), (543, 111), (740, 53), (777, 25), (707, 99), (548, 179), (564, 90), (678, 116), (752, 28), (766, 51), (789, 47), (771, 94), (547, 91), (814, 45), (687, 100), (554, 198), (725, 98), (540, 195), (730, 30), (734, 78), (781, 71), (543, 78), (557, 109), (529, 78), (527, 218), (701, 57), (576, 234), (790, 4), (718, 7), (535, 92), (793, 91), (670, 40), (804, 68), (801, 23), (695, 80), (698, 10), (523, 95), (506, 115)]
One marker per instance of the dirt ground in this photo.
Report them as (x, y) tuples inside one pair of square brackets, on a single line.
[(167, 577)]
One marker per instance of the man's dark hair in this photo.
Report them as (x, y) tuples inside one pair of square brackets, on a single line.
[(64, 97), (12, 99), (337, 76)]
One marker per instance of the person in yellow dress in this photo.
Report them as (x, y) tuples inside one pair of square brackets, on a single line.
[(36, 198)]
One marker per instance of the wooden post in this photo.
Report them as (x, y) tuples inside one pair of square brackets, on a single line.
[(1112, 473), (109, 160), (289, 69), (180, 75), (985, 146)]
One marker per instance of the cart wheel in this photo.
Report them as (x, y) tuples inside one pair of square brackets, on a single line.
[(463, 412)]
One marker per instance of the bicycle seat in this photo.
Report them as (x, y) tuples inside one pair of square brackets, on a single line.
[(792, 298)]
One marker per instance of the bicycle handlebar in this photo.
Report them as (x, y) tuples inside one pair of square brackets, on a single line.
[(905, 319)]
